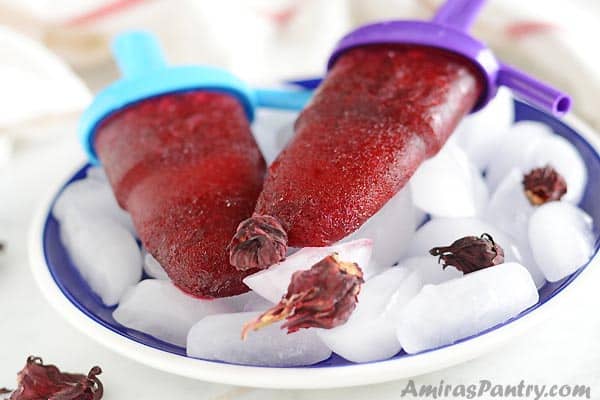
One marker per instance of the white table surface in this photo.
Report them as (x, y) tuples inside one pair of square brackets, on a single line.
[(563, 350)]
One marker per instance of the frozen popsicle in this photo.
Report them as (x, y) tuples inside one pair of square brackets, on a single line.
[(187, 169), (179, 154), (394, 93)]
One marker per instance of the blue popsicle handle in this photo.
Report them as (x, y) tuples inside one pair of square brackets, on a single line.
[(283, 99), (137, 53)]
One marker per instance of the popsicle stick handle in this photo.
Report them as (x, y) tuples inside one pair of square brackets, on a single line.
[(534, 91), (459, 14), (283, 99), (137, 52)]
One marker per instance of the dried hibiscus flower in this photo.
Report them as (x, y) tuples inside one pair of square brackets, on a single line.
[(470, 253), (259, 241), (45, 382), (543, 185), (322, 297)]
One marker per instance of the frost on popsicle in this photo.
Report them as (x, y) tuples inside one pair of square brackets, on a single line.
[(323, 297)]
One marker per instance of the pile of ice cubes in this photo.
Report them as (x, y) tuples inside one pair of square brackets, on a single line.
[(473, 186)]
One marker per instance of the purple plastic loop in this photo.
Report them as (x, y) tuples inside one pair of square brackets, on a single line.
[(459, 14), (534, 91), (448, 32)]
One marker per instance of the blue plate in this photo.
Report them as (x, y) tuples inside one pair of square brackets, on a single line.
[(78, 293)]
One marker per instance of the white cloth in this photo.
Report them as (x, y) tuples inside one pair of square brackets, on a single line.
[(35, 83), (270, 40)]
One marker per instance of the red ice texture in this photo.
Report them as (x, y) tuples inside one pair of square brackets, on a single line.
[(188, 170), (379, 113)]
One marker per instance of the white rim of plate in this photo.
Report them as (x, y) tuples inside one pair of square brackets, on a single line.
[(296, 377)]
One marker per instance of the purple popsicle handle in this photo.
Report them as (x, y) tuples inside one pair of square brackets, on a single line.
[(449, 31), (459, 14), (533, 90)]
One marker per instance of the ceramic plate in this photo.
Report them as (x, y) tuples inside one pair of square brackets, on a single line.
[(60, 282)]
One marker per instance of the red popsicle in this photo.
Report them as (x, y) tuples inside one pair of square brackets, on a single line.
[(186, 166), (379, 113)]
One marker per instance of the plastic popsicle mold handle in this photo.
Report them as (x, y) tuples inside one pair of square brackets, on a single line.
[(137, 53), (145, 74), (448, 30), (459, 14), (282, 98), (534, 91)]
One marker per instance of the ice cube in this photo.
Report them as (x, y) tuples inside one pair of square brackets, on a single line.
[(152, 267), (390, 229), (273, 282), (157, 307), (449, 185), (249, 301), (515, 150), (444, 231), (96, 173), (218, 337), (94, 197), (273, 129), (105, 253), (479, 134), (510, 211), (405, 292), (442, 314), (539, 148), (369, 334), (559, 153), (525, 255), (430, 270), (561, 239)]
